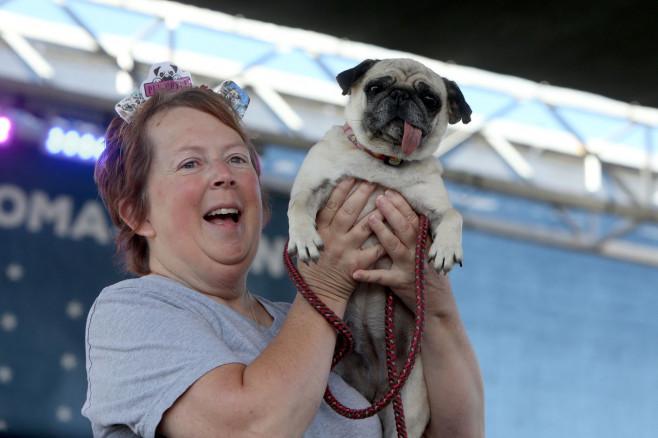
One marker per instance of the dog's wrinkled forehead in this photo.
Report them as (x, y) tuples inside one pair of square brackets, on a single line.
[(390, 72), (406, 70)]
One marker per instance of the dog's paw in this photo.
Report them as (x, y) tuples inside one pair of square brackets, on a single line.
[(445, 256), (305, 245)]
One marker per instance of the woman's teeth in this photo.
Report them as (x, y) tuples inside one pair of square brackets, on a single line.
[(222, 213)]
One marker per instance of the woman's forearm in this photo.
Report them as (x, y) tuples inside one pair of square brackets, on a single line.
[(290, 376), (452, 375), (298, 361)]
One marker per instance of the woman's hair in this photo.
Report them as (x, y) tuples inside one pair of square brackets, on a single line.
[(122, 169)]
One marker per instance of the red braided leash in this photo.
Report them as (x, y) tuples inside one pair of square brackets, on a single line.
[(345, 342)]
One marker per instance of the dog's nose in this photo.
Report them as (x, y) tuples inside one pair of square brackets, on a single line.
[(400, 96)]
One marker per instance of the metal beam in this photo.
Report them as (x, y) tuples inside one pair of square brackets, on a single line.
[(500, 153)]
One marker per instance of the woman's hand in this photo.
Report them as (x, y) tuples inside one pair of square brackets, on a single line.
[(331, 277), (399, 242)]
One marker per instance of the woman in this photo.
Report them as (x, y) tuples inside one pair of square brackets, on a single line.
[(185, 349)]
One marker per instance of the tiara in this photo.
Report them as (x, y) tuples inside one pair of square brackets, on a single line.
[(167, 77)]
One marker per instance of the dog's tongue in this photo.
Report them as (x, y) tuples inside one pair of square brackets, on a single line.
[(410, 138)]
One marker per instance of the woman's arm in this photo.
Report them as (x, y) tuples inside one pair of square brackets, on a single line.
[(451, 369), (452, 372), (279, 393)]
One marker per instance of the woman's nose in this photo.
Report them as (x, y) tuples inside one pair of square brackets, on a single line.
[(223, 176)]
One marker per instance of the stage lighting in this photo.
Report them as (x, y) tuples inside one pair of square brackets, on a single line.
[(5, 129), (72, 144)]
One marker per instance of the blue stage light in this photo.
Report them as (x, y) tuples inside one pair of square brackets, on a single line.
[(72, 144), (5, 130), (55, 141)]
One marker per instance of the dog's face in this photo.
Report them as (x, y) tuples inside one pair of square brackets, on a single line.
[(400, 107), (165, 72)]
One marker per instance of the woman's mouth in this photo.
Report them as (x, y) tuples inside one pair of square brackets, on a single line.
[(222, 215)]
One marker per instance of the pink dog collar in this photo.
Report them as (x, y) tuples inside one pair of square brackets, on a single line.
[(387, 159)]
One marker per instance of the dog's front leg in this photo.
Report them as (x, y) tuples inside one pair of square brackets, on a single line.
[(431, 199), (305, 242), (446, 250)]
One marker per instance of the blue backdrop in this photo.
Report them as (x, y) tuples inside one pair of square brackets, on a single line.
[(566, 340)]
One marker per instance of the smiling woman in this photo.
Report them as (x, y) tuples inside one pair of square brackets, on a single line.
[(185, 349), (130, 151), (200, 168)]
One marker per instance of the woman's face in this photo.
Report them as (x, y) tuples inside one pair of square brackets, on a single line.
[(205, 211)]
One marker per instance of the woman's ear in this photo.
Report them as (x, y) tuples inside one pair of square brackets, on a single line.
[(264, 220), (266, 213), (144, 228)]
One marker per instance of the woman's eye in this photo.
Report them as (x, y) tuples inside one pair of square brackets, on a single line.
[(237, 160), (189, 165)]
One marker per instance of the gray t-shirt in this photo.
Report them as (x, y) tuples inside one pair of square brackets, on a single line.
[(148, 339)]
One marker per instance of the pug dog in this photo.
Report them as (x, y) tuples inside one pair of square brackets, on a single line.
[(396, 116)]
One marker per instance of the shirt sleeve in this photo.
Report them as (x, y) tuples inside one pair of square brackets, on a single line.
[(143, 352)]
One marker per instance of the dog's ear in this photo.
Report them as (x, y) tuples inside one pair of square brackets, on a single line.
[(459, 109), (157, 69), (174, 67), (347, 78)]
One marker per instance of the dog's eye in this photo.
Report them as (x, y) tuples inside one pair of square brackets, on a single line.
[(430, 102), (374, 88)]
